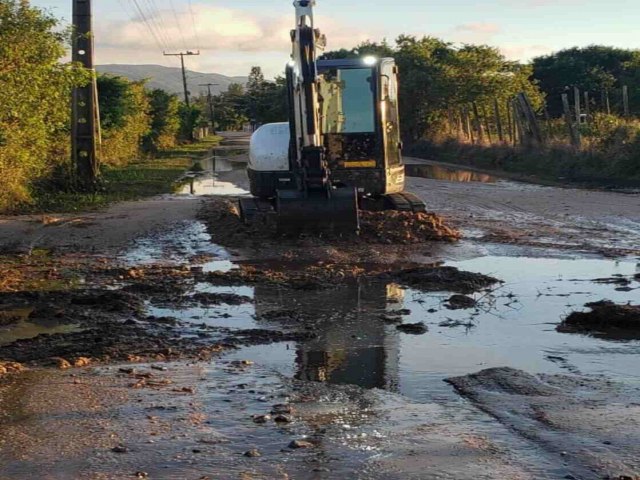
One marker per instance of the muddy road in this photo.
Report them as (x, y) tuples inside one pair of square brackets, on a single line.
[(186, 347)]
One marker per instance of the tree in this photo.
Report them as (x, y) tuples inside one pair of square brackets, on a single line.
[(593, 69), (124, 107), (164, 109), (35, 88), (230, 107), (436, 77)]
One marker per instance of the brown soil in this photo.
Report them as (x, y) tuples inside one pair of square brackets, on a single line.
[(387, 227), (604, 317), (323, 275)]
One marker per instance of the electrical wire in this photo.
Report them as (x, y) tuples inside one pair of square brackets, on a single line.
[(195, 27), (148, 24), (177, 19)]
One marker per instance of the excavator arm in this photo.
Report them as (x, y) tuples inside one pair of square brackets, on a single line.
[(315, 203)]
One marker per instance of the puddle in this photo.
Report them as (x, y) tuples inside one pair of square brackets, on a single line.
[(177, 245), (15, 325), (437, 172), (512, 326), (207, 181)]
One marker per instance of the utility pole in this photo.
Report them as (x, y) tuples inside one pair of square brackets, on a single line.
[(184, 72), (210, 101), (85, 119)]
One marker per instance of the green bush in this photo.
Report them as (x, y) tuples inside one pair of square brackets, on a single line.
[(35, 88)]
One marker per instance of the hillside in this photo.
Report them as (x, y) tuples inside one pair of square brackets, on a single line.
[(170, 78)]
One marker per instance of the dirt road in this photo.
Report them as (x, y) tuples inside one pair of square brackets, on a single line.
[(179, 361)]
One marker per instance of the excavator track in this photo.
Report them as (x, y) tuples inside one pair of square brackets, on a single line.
[(252, 209), (406, 202)]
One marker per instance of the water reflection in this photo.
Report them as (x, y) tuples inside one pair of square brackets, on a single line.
[(17, 324), (452, 175), (353, 344)]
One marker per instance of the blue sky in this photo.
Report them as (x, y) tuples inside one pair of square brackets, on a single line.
[(234, 35)]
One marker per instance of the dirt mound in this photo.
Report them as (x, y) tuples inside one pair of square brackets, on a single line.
[(331, 275), (604, 318), (405, 227), (387, 227), (441, 279)]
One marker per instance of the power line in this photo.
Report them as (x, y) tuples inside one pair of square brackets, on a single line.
[(195, 28), (156, 14), (175, 15), (145, 20)]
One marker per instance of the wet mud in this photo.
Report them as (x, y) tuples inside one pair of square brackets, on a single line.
[(387, 227), (605, 319), (209, 350), (590, 423)]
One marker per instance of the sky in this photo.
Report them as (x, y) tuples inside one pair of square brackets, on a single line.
[(234, 35)]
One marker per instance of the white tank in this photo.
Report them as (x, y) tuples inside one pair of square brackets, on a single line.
[(269, 149)]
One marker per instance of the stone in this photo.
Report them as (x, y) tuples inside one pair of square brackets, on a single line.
[(296, 444)]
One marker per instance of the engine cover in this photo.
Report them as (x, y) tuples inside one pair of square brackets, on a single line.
[(269, 148)]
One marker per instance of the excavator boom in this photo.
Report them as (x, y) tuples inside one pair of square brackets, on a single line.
[(315, 203)]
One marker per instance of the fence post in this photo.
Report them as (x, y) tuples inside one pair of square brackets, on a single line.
[(576, 101), (587, 107), (496, 111), (467, 122), (573, 133), (477, 122), (625, 99), (487, 125), (510, 122), (518, 131), (527, 114)]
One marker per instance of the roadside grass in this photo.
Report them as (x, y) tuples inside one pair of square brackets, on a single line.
[(139, 179), (555, 163)]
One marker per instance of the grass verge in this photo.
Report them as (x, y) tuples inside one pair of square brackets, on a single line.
[(139, 179), (555, 164)]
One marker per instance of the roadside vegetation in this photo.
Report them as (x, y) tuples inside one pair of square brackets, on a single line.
[(147, 135), (457, 105), (460, 105)]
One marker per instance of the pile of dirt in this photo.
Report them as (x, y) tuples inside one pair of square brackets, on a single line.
[(405, 227), (331, 275), (306, 277), (385, 227), (604, 317), (441, 279)]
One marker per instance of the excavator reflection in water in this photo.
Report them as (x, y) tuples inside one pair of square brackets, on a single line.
[(353, 343)]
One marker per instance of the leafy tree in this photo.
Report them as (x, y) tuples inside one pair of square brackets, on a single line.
[(436, 77), (591, 69), (35, 88), (265, 101), (230, 108), (164, 109), (124, 107), (189, 118)]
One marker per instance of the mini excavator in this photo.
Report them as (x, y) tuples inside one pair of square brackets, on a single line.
[(340, 151)]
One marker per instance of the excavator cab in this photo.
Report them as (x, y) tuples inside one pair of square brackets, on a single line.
[(358, 101)]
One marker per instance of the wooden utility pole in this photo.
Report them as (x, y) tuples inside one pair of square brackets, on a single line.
[(210, 101), (85, 119), (184, 72)]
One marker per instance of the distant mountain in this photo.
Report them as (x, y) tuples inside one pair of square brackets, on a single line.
[(170, 78)]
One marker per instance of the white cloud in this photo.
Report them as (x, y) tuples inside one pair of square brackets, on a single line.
[(240, 38)]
